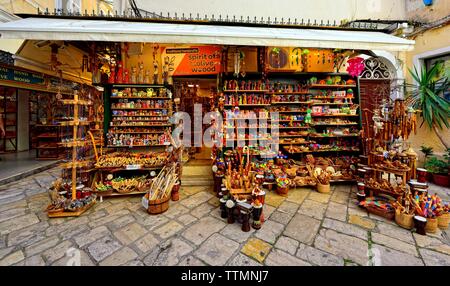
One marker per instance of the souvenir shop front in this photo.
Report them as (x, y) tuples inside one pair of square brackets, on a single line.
[(277, 108)]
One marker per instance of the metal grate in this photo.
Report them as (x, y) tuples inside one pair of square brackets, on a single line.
[(207, 19)]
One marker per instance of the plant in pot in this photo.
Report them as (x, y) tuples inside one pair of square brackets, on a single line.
[(439, 169), (427, 152), (427, 96)]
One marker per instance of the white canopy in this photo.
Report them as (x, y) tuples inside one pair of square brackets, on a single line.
[(122, 31)]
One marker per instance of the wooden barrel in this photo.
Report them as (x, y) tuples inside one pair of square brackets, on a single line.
[(158, 206)]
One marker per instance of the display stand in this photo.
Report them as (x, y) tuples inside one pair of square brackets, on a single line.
[(75, 163)]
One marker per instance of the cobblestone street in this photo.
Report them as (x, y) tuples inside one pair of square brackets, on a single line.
[(305, 228)]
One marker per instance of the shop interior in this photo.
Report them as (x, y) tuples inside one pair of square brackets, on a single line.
[(112, 132)]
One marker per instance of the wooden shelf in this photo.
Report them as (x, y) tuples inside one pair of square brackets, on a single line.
[(289, 111), (247, 90), (133, 108), (294, 127), (71, 214), (47, 147), (128, 146), (332, 97), (331, 86), (335, 136), (116, 194), (334, 124), (296, 135), (288, 93), (335, 115), (141, 120), (244, 105), (291, 102), (320, 151), (330, 103), (138, 116), (147, 125), (136, 132), (139, 97)]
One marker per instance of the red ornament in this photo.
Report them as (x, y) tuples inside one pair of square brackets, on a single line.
[(355, 66)]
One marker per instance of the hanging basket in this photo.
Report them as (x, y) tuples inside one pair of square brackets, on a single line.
[(404, 220)]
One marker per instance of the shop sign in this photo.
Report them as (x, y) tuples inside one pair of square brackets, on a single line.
[(193, 60), (19, 76)]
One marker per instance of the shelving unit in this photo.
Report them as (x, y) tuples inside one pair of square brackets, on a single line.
[(8, 112), (332, 123), (48, 138), (138, 115), (77, 167)]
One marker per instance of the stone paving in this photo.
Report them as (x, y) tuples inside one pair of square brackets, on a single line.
[(304, 228)]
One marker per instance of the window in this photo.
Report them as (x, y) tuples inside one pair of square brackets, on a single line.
[(445, 70)]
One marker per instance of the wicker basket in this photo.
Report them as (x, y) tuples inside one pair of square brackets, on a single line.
[(443, 221), (325, 189), (432, 225), (158, 206), (404, 220), (282, 191)]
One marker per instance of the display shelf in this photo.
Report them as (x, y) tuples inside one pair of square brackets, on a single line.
[(133, 108), (132, 146), (141, 120), (331, 86), (137, 132), (46, 147), (138, 115), (117, 194), (323, 151), (293, 135), (335, 115), (144, 85), (294, 127), (74, 122), (334, 124), (330, 103), (289, 111), (335, 136), (141, 97), (71, 214), (246, 105), (290, 102), (288, 93), (246, 90), (79, 102), (332, 97), (145, 125), (297, 143)]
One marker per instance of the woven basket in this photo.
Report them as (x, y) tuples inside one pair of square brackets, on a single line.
[(158, 206), (432, 225), (325, 189), (282, 191), (443, 221), (404, 220)]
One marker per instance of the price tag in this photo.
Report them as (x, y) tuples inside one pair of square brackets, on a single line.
[(145, 202), (132, 167)]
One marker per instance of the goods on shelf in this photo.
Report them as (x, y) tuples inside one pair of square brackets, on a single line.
[(127, 185), (123, 159)]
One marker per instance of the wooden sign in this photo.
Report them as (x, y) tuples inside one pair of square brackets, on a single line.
[(19, 76)]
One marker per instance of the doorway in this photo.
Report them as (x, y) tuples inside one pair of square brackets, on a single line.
[(191, 92)]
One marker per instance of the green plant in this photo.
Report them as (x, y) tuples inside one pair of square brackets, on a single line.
[(427, 95), (427, 151), (436, 166)]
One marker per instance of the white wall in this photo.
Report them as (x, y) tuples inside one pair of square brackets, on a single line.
[(309, 9)]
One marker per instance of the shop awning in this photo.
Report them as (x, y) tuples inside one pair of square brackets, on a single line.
[(122, 31)]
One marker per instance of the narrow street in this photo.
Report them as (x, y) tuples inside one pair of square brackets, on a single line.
[(305, 228)]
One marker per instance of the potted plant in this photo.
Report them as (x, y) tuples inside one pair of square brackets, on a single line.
[(427, 152), (427, 96), (439, 169)]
